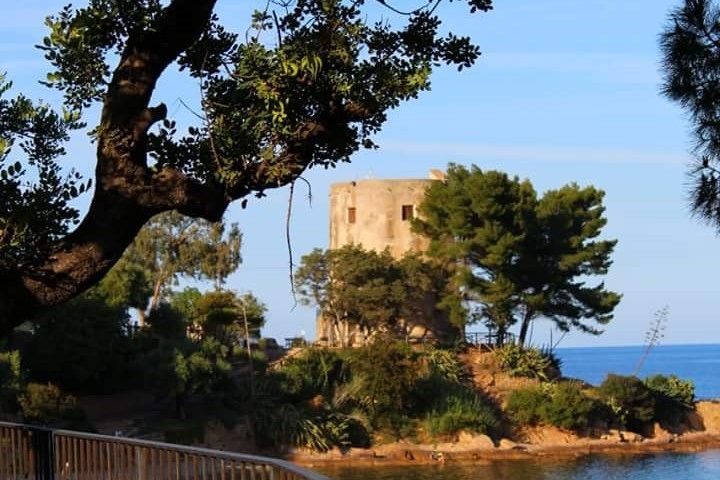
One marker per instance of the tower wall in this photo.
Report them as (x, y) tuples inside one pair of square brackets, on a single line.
[(379, 207)]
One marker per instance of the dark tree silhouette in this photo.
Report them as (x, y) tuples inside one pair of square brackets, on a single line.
[(691, 59), (307, 85)]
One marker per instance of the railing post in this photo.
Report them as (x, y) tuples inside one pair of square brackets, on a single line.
[(141, 463), (43, 453)]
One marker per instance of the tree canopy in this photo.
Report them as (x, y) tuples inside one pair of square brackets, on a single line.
[(308, 84), (691, 58), (515, 257), (168, 247), (358, 289)]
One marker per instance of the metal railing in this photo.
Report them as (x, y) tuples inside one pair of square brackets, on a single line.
[(36, 453), (490, 338)]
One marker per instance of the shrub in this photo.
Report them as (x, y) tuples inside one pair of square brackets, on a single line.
[(563, 405), (81, 346), (673, 388), (459, 410), (517, 361), (11, 381), (46, 404), (314, 372), (288, 425), (445, 363), (568, 407), (630, 400), (385, 372), (674, 397), (524, 405)]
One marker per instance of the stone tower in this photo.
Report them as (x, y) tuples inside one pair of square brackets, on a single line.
[(376, 214)]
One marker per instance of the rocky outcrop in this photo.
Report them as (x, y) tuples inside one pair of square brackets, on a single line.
[(709, 413)]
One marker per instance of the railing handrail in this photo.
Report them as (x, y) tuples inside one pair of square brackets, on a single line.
[(489, 337), (219, 454)]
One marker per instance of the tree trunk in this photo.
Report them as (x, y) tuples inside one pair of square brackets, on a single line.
[(127, 192), (524, 327), (142, 317)]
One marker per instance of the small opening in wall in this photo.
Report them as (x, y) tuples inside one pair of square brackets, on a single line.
[(408, 212), (351, 215)]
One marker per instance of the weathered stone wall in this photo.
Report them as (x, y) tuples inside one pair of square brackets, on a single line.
[(378, 214)]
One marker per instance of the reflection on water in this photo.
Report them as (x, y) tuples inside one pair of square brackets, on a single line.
[(691, 466)]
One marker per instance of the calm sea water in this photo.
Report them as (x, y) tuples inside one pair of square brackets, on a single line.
[(668, 466), (701, 363)]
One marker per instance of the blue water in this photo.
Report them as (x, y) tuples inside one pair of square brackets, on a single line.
[(700, 363), (668, 466)]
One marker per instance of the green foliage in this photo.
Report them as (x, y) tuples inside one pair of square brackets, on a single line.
[(385, 373), (384, 390), (183, 369), (675, 389), (36, 195), (307, 84), (289, 425), (11, 381), (517, 361), (358, 287), (370, 291), (315, 371), (188, 431), (690, 60), (81, 346), (171, 246), (568, 408), (515, 256), (630, 400), (524, 405), (674, 397), (563, 405), (46, 404), (460, 409), (222, 314), (445, 364), (167, 322)]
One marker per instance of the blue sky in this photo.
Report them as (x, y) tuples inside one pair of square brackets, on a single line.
[(566, 91)]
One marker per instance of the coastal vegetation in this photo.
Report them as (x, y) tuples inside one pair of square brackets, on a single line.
[(202, 357), (362, 290), (512, 256)]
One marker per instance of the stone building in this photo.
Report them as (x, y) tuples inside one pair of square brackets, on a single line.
[(376, 214)]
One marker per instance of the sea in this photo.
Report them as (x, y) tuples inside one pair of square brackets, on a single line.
[(699, 363)]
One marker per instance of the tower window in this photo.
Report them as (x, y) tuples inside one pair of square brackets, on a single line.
[(408, 212), (351, 215)]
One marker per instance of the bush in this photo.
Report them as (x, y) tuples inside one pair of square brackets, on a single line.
[(288, 425), (517, 361), (630, 400), (46, 404), (11, 381), (568, 407), (385, 374), (315, 371), (445, 364), (562, 405), (673, 388), (674, 397), (81, 346), (524, 405), (461, 409)]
